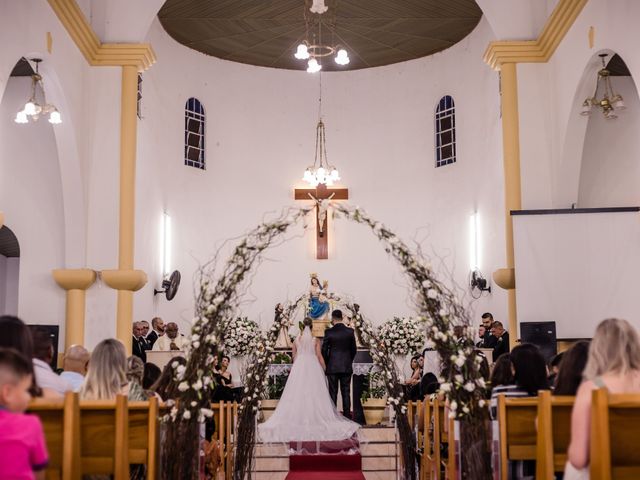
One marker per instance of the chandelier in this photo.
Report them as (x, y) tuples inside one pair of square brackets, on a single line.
[(312, 48), (34, 110), (610, 100), (321, 172)]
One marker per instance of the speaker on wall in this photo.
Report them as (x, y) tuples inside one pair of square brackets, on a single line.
[(53, 332), (542, 334)]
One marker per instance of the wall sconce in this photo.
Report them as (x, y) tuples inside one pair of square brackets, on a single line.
[(476, 280)]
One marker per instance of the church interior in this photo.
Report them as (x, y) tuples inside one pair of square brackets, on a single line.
[(175, 136)]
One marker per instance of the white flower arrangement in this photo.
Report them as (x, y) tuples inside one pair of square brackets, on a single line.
[(241, 336), (403, 335)]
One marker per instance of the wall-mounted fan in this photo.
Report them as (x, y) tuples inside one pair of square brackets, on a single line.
[(170, 285), (478, 282)]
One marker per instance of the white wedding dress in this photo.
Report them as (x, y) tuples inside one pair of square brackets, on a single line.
[(305, 411)]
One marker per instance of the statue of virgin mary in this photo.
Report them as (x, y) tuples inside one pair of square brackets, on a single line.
[(318, 303)]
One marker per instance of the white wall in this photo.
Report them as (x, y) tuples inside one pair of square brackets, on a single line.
[(260, 137), (31, 198), (610, 173)]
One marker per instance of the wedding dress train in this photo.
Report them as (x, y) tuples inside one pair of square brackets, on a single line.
[(305, 411)]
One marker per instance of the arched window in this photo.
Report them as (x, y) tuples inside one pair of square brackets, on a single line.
[(194, 134), (445, 132)]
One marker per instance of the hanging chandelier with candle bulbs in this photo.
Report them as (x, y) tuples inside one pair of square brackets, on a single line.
[(34, 108), (312, 48), (321, 172), (610, 101)]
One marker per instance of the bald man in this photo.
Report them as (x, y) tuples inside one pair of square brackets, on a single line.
[(75, 363), (171, 340)]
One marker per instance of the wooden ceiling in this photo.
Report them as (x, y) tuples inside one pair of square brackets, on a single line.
[(266, 32)]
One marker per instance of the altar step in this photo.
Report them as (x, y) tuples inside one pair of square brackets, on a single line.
[(379, 452)]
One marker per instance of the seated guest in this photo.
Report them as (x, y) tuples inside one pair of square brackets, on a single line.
[(138, 343), (107, 373), (151, 375), (76, 360), (135, 371), (502, 342), (16, 335), (224, 382), (572, 365), (502, 373), (529, 376), (42, 358), (166, 386), (22, 444), (554, 366), (413, 383), (429, 384), (157, 331), (171, 340), (613, 363)]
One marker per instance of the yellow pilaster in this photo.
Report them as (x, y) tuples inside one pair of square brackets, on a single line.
[(1, 219), (512, 189), (125, 282), (75, 282)]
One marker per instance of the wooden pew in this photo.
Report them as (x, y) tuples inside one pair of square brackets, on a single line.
[(554, 433), (143, 435), (57, 418), (517, 430), (103, 437), (615, 422), (443, 435)]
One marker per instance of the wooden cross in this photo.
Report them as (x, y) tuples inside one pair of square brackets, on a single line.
[(321, 192)]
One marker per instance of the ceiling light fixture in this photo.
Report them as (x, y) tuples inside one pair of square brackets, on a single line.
[(321, 172), (312, 48), (34, 110), (610, 100)]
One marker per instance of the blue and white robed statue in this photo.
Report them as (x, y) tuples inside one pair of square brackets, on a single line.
[(318, 302)]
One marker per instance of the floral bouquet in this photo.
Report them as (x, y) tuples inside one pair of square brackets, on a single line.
[(403, 336), (241, 337)]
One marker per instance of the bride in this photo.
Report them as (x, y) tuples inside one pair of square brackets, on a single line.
[(305, 411)]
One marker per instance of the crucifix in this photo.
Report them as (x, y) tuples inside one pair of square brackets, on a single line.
[(319, 194)]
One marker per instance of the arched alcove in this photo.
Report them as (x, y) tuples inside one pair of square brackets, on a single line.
[(609, 168), (9, 271), (32, 198)]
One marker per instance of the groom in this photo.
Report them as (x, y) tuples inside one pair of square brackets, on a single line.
[(338, 350)]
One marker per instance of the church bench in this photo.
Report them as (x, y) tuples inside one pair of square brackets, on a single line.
[(516, 430), (144, 435), (103, 436), (57, 419), (443, 428), (615, 422), (554, 433)]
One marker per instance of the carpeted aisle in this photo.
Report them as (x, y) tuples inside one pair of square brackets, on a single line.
[(339, 464), (334, 466)]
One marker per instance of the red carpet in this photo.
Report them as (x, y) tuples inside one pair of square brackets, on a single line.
[(325, 466)]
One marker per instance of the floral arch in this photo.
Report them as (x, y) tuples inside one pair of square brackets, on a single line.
[(217, 301)]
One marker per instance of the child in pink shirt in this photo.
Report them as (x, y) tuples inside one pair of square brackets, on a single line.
[(23, 452)]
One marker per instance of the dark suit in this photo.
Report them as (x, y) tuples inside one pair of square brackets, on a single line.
[(151, 339), (338, 350), (138, 348), (489, 341), (502, 346)]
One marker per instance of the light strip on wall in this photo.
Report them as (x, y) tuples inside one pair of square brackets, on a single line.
[(165, 250), (474, 242)]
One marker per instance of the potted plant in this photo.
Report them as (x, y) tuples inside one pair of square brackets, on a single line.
[(374, 398), (275, 386)]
